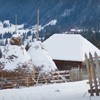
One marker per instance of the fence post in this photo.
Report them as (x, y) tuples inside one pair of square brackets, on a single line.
[(27, 81), (94, 74), (89, 75), (97, 67)]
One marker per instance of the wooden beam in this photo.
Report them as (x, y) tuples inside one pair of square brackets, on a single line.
[(94, 91)]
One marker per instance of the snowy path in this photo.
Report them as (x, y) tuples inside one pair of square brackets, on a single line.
[(64, 91)]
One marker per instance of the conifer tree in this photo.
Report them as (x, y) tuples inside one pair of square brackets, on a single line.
[(0, 53), (27, 46), (6, 42)]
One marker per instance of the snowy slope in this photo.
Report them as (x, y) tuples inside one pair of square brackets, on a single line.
[(71, 47), (11, 28), (52, 23), (63, 91), (14, 56), (40, 57), (20, 28)]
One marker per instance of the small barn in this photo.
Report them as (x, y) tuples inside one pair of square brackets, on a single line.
[(68, 50)]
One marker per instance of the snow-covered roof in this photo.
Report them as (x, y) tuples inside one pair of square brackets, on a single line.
[(40, 57), (69, 47)]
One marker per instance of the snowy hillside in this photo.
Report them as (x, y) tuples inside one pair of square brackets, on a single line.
[(69, 13), (40, 57), (6, 27), (63, 91)]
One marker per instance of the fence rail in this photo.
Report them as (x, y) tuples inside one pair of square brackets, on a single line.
[(37, 78)]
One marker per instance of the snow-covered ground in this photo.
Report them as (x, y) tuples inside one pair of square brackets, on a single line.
[(63, 91)]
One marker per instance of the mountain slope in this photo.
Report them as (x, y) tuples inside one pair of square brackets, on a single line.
[(69, 13)]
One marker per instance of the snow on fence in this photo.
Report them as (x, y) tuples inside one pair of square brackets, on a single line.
[(93, 69)]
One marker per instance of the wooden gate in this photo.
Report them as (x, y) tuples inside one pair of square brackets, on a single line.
[(93, 70)]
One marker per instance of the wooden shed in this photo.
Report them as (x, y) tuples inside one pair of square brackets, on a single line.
[(68, 50)]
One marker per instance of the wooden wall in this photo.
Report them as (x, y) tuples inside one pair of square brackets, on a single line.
[(67, 65)]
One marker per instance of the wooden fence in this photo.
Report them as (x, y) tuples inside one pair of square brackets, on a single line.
[(93, 70), (35, 79), (60, 76)]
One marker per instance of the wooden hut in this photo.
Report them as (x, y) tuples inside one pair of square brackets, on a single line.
[(68, 50)]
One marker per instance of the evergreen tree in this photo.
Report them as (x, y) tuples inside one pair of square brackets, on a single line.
[(29, 33), (27, 46), (7, 35), (0, 36), (0, 53), (23, 38), (33, 36), (6, 42)]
